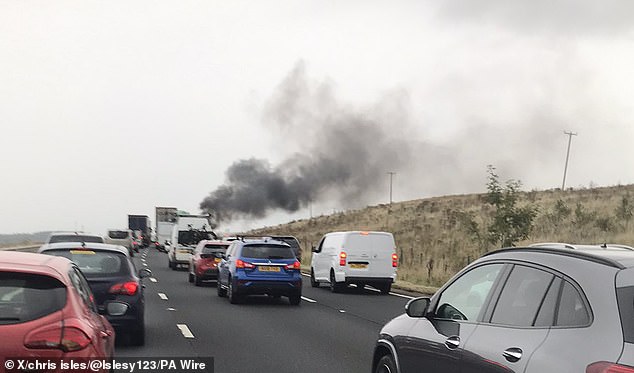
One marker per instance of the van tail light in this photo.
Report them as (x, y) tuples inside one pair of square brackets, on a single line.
[(68, 340), (296, 265), (606, 367), (394, 260), (124, 288), (242, 264), (342, 259)]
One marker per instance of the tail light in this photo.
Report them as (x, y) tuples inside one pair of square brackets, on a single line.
[(606, 367), (70, 339), (342, 258), (242, 264), (296, 265), (125, 288), (394, 260)]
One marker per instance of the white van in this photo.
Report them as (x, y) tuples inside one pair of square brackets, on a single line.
[(361, 258)]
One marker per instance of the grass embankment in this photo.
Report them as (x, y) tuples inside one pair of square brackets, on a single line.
[(438, 236)]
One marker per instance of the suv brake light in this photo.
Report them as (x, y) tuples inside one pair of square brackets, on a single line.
[(125, 288), (296, 265), (242, 264), (394, 260), (72, 339), (342, 258), (606, 367)]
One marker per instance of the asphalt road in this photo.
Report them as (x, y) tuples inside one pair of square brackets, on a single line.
[(326, 333)]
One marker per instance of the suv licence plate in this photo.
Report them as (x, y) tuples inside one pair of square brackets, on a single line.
[(268, 268)]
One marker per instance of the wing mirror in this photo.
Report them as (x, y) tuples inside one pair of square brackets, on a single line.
[(417, 307)]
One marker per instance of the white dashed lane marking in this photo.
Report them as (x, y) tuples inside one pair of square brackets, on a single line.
[(185, 330), (162, 296), (153, 279)]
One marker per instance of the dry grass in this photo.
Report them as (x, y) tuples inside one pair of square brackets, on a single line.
[(434, 242)]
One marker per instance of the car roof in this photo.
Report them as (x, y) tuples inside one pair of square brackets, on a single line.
[(617, 257), (84, 245), (260, 241), (70, 233), (215, 242), (50, 265)]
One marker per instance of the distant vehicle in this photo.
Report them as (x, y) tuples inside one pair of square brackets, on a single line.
[(137, 241), (47, 310), (123, 237), (293, 242), (140, 223), (74, 237), (536, 309), (164, 232), (115, 282), (257, 267), (190, 230), (204, 261), (361, 258)]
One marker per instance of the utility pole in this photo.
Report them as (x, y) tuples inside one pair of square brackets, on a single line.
[(391, 177), (569, 134)]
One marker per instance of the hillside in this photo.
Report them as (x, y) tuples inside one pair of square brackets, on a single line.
[(438, 236)]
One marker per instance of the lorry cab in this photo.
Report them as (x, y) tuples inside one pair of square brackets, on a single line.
[(360, 258)]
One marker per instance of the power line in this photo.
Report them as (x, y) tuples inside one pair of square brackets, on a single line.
[(569, 134)]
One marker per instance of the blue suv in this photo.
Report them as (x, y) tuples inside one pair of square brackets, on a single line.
[(258, 267)]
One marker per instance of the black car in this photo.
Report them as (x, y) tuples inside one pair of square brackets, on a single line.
[(552, 308), (114, 280)]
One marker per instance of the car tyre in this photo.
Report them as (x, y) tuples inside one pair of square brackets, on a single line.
[(385, 365), (313, 282), (191, 277), (222, 292), (197, 280), (231, 293), (335, 286), (138, 338), (385, 288), (295, 300)]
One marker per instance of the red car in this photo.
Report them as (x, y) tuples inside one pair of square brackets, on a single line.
[(203, 264), (47, 310)]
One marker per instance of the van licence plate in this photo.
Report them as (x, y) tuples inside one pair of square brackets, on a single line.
[(268, 268), (358, 265)]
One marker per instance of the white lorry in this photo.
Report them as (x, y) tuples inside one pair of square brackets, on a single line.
[(188, 231)]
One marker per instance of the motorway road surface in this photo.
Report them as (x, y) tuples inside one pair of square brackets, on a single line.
[(326, 333)]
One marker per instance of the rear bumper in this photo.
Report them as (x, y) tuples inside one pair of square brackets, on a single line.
[(207, 274), (259, 287)]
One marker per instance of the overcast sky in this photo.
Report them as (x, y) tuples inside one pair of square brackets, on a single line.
[(113, 107)]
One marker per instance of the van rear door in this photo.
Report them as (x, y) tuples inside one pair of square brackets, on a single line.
[(370, 252)]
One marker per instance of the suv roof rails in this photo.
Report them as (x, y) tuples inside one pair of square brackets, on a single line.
[(582, 246), (580, 254)]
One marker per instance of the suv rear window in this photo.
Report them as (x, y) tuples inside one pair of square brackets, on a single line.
[(26, 297), (118, 235), (75, 238), (96, 263), (267, 252)]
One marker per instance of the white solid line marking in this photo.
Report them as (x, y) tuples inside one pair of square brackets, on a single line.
[(162, 296), (185, 330), (309, 300), (153, 279), (305, 275), (171, 309), (401, 295)]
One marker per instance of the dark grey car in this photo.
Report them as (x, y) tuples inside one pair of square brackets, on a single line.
[(534, 309)]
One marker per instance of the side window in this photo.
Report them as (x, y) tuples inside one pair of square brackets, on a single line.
[(82, 287), (522, 296), (546, 313), (464, 298), (321, 244), (572, 309)]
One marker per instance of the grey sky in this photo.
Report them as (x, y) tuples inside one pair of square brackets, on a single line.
[(109, 108)]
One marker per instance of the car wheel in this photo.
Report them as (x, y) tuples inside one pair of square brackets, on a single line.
[(386, 365), (222, 292), (385, 288), (313, 282), (335, 287), (231, 293), (191, 277), (138, 338), (295, 300), (197, 280)]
